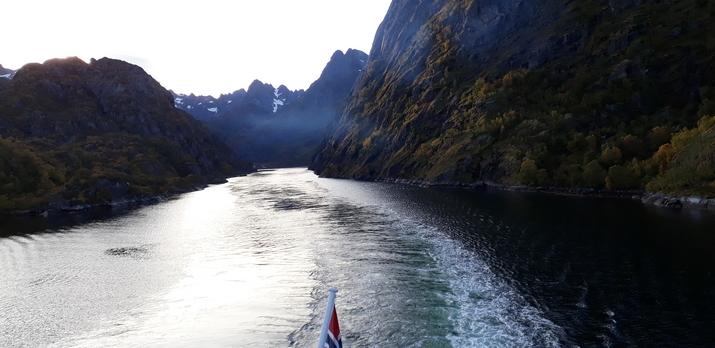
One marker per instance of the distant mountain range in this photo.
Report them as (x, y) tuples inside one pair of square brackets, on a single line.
[(276, 126), (557, 94), (261, 98), (74, 134)]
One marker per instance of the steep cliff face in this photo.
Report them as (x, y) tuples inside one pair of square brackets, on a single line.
[(76, 133), (276, 126), (542, 93), (297, 132), (335, 83)]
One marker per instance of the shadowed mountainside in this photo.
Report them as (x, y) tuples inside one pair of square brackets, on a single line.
[(276, 127), (569, 94), (75, 134)]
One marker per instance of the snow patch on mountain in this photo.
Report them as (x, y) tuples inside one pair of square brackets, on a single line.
[(277, 101), (276, 104)]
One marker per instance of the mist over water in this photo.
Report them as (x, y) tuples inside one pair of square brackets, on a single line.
[(248, 263)]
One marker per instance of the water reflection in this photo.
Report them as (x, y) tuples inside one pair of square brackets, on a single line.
[(247, 264)]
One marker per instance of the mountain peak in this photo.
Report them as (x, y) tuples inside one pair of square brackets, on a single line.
[(73, 60), (55, 68), (351, 52), (342, 67), (114, 63), (258, 84), (337, 55), (282, 90)]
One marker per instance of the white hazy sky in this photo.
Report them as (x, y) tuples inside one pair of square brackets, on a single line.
[(204, 47)]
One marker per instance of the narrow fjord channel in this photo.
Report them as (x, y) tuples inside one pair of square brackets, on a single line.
[(247, 263)]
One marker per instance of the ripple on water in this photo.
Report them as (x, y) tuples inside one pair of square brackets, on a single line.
[(256, 270), (405, 283), (488, 312), (138, 252)]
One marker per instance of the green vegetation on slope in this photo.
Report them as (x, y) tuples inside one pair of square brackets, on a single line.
[(73, 133), (94, 170), (686, 165), (586, 95)]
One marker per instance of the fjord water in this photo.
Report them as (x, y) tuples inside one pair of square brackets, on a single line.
[(247, 263)]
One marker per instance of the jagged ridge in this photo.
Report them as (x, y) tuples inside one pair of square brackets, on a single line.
[(275, 126)]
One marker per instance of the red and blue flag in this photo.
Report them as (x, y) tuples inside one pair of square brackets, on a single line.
[(334, 340)]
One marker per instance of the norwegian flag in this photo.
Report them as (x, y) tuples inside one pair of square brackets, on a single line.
[(333, 340), (330, 331)]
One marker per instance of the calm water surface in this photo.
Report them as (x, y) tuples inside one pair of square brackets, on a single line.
[(247, 263)]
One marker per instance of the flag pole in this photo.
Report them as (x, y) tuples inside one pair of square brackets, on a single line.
[(328, 314)]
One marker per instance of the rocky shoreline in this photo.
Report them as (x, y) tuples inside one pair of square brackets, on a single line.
[(55, 208), (654, 199), (678, 202)]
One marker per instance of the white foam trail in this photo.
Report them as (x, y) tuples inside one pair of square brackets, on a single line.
[(489, 312)]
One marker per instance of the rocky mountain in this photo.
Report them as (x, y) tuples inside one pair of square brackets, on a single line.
[(199, 106), (260, 99), (73, 134), (293, 135), (276, 126), (596, 94)]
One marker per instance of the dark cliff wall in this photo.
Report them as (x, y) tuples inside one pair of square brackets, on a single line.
[(541, 93)]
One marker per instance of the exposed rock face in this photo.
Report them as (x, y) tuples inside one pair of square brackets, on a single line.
[(97, 133), (335, 83), (276, 126), (665, 201), (540, 93), (297, 132)]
